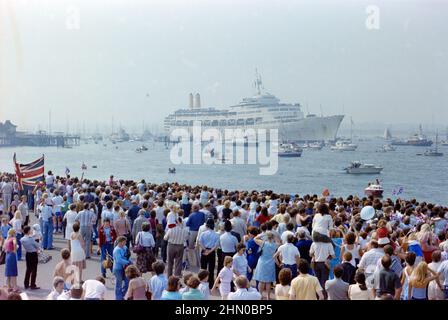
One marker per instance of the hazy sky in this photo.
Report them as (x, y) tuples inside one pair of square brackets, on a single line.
[(138, 60)]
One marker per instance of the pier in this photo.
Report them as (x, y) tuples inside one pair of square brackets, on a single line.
[(9, 137)]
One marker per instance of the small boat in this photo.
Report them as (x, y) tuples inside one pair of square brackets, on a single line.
[(94, 167), (138, 150), (289, 150), (356, 167), (344, 146), (144, 148), (315, 146), (374, 189), (171, 170)]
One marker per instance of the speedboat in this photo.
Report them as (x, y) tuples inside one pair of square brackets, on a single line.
[(289, 150), (144, 148), (344, 146), (356, 167), (313, 146), (374, 189)]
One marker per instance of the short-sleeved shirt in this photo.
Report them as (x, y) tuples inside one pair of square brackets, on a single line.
[(337, 289), (226, 275), (305, 287), (288, 252), (322, 251), (94, 289), (156, 285), (387, 282), (443, 268), (228, 242), (240, 264)]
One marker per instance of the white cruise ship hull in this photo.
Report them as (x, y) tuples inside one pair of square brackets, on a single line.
[(303, 130)]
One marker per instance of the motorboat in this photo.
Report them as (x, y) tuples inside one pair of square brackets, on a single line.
[(144, 148), (289, 150), (356, 167), (344, 146), (171, 170), (313, 146), (374, 189)]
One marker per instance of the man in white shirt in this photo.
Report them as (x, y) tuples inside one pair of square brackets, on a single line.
[(238, 224), (243, 291), (287, 256), (369, 261), (94, 289), (321, 253)]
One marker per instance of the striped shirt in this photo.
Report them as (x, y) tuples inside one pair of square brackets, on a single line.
[(86, 218), (176, 235)]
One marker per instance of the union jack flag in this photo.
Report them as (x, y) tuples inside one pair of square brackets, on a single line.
[(29, 174)]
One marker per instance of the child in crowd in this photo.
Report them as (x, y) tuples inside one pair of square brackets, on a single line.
[(204, 286), (224, 278), (185, 279), (349, 270), (282, 289), (159, 281), (240, 265)]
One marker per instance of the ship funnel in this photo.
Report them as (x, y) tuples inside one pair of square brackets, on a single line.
[(191, 101), (197, 101)]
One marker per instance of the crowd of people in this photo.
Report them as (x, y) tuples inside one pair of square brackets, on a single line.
[(199, 243)]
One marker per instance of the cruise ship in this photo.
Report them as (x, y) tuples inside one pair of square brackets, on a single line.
[(261, 111)]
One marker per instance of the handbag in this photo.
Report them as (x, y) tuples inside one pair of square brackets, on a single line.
[(108, 262), (2, 257), (138, 248)]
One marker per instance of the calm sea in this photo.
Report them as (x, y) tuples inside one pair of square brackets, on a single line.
[(425, 178)]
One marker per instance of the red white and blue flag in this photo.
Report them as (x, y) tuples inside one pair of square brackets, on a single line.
[(29, 174)]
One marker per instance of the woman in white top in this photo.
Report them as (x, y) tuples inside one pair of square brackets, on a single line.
[(69, 218), (351, 246), (77, 250), (16, 224), (359, 291), (322, 223)]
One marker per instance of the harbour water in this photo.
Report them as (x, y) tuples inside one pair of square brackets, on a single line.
[(425, 178)]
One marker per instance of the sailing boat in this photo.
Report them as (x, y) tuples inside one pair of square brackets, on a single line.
[(434, 152), (387, 134), (445, 143)]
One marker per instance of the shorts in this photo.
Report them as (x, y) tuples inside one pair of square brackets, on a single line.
[(58, 214)]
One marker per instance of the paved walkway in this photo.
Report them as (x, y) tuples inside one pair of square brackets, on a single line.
[(45, 271)]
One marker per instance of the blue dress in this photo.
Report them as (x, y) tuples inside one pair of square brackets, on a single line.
[(11, 264), (265, 270), (252, 253), (337, 252)]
